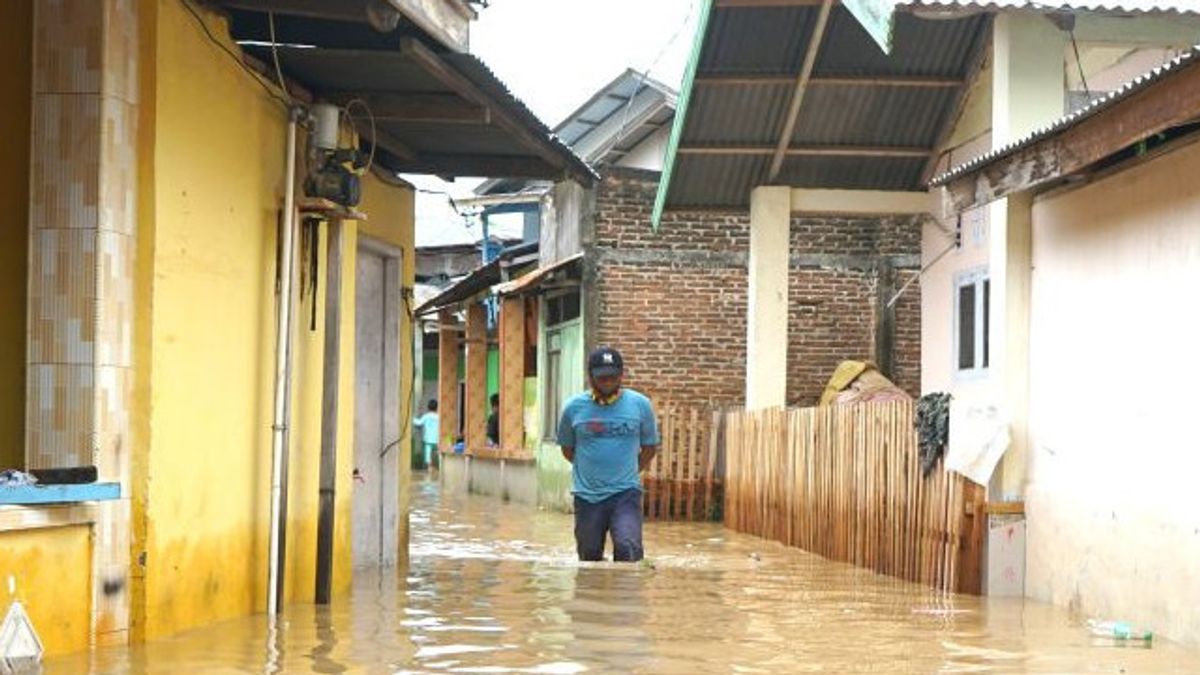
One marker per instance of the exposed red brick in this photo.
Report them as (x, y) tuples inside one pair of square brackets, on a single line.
[(678, 312)]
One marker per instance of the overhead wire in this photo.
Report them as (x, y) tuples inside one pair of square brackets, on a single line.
[(265, 84), (275, 57), (645, 75), (1079, 64)]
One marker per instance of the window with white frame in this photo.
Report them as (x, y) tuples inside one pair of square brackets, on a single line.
[(972, 307)]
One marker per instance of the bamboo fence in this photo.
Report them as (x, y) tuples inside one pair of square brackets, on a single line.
[(845, 482), (683, 482)]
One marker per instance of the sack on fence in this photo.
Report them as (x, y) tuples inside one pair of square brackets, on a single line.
[(860, 382)]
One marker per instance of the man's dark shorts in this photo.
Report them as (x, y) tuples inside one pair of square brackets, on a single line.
[(620, 515)]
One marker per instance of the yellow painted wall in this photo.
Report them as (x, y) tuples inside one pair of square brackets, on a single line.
[(217, 181), (16, 45), (139, 417), (214, 171), (50, 570)]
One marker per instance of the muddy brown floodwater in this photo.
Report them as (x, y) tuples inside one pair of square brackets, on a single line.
[(495, 588)]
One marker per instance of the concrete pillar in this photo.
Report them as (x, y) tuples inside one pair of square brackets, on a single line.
[(1028, 92), (767, 309), (82, 224), (82, 229), (1028, 86)]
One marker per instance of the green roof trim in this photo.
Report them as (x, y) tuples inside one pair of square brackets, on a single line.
[(681, 110)]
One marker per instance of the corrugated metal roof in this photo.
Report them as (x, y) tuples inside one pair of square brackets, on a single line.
[(868, 116), (1162, 72), (717, 180), (611, 99), (479, 73), (481, 278), (616, 119), (853, 173), (920, 48), (740, 80), (1108, 6), (534, 278), (334, 57), (753, 115), (760, 40), (730, 104)]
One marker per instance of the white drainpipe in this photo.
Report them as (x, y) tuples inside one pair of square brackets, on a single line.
[(283, 338)]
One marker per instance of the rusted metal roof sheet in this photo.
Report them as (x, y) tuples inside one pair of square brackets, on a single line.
[(533, 278), (1191, 58)]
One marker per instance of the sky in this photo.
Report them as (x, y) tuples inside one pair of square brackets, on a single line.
[(553, 55)]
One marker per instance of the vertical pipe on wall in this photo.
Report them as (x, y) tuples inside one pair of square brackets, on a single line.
[(283, 335)]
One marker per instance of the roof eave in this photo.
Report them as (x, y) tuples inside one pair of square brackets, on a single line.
[(681, 111)]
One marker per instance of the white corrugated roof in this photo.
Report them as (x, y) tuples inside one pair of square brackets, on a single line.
[(1074, 118), (1118, 6)]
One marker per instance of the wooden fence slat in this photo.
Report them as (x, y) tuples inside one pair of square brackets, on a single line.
[(844, 482)]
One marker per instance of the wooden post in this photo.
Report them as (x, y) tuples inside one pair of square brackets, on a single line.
[(706, 466), (670, 457), (476, 408), (695, 452), (449, 343), (512, 375), (329, 411), (971, 570), (649, 503)]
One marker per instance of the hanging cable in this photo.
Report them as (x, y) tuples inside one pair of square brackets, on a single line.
[(275, 57), (370, 118), (645, 75), (448, 196), (1079, 64), (953, 245), (229, 52)]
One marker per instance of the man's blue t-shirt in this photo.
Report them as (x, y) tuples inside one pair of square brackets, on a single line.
[(607, 440)]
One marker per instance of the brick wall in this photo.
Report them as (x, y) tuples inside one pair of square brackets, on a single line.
[(674, 301)]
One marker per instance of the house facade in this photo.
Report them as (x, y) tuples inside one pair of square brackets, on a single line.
[(1111, 254), (222, 343)]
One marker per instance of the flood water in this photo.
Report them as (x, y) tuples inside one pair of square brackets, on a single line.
[(495, 588)]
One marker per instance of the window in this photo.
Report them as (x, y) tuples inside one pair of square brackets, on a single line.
[(553, 383), (562, 308), (972, 310), (564, 358)]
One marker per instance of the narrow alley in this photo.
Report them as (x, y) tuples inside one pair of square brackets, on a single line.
[(495, 588)]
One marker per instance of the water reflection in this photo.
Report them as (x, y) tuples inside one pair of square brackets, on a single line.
[(495, 588)]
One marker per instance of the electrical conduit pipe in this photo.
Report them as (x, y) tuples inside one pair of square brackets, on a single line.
[(283, 339)]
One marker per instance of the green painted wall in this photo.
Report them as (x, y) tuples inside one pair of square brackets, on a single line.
[(554, 472), (493, 372), (533, 418), (429, 366)]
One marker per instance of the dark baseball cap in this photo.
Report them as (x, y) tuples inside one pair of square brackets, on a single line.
[(605, 361)]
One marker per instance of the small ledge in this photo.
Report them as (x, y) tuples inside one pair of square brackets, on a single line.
[(59, 494)]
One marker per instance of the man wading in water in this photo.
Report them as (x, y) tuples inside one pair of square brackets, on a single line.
[(610, 435)]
